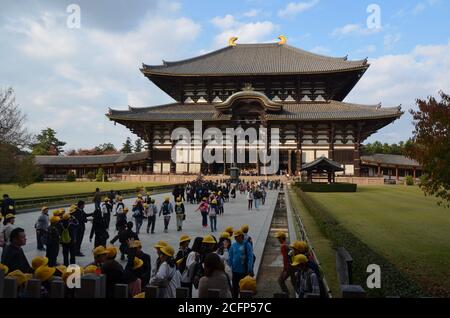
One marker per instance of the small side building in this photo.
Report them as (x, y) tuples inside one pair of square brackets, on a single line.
[(391, 167)]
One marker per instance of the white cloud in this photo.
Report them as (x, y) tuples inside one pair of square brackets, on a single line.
[(67, 79), (390, 40), (422, 6), (252, 13), (367, 49), (246, 32), (320, 50), (419, 8), (402, 78), (354, 29), (294, 8)]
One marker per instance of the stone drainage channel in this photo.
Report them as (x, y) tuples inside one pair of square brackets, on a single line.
[(272, 261)]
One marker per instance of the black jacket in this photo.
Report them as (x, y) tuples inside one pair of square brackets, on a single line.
[(15, 258), (146, 268), (98, 225), (81, 217), (114, 275)]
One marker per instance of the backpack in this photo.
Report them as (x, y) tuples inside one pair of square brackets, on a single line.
[(178, 209), (65, 235)]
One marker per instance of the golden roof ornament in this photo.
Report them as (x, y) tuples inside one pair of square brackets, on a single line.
[(283, 40), (232, 41), (248, 87)]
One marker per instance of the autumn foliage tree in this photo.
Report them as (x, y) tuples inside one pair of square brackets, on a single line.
[(431, 145)]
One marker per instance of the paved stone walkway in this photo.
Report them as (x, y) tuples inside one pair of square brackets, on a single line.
[(235, 215)]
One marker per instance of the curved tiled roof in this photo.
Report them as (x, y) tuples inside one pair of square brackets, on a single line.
[(331, 110), (254, 59), (89, 160), (386, 159)]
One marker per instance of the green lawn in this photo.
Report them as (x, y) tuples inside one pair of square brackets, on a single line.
[(402, 225), (61, 188)]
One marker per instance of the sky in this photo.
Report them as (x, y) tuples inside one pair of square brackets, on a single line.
[(67, 77)]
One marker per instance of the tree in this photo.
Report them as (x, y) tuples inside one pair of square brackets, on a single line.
[(430, 145), (46, 143), (138, 145), (27, 172), (106, 148), (127, 146), (12, 121), (100, 177)]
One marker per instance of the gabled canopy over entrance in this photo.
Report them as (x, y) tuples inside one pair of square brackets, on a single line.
[(320, 166)]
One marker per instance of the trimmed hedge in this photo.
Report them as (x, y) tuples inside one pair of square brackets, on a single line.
[(325, 187), (393, 281)]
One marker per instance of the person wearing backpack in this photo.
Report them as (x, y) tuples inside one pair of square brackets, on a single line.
[(99, 229), (138, 214), (286, 272), (307, 280), (150, 213), (106, 209), (68, 230), (203, 208), (124, 236), (53, 240), (167, 278), (213, 210), (240, 259), (180, 214), (181, 259), (166, 210)]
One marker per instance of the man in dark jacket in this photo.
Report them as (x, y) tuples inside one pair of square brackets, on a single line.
[(81, 217), (113, 271), (99, 229), (7, 204), (97, 198), (125, 234), (13, 255)]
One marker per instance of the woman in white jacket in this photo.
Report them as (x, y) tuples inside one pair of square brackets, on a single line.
[(167, 278)]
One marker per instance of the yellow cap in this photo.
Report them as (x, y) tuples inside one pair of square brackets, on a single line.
[(184, 238), (145, 205), (20, 277), (61, 268), (140, 295), (167, 199), (90, 269), (244, 228), (238, 233), (204, 199), (137, 263), (137, 243), (112, 251), (72, 208), (44, 208), (280, 234), (160, 244), (10, 207), (66, 216), (180, 261), (214, 201), (125, 210), (299, 259), (225, 235), (9, 216), (62, 210), (106, 199), (139, 195), (209, 239), (4, 268), (39, 261), (56, 213), (44, 273), (229, 229), (220, 192), (99, 250), (55, 219), (179, 199), (119, 199), (168, 250), (248, 283), (300, 246)]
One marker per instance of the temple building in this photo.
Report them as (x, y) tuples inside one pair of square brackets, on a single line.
[(247, 85), (271, 85)]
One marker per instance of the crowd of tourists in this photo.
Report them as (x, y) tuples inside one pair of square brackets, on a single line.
[(224, 262)]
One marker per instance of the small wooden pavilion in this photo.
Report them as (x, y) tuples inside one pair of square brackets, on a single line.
[(321, 166)]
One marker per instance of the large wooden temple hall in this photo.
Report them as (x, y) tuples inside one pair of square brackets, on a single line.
[(270, 85)]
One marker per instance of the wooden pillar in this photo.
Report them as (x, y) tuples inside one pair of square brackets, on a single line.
[(173, 166), (414, 173), (379, 170), (357, 155), (298, 161), (289, 162), (331, 140), (397, 176), (150, 158)]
